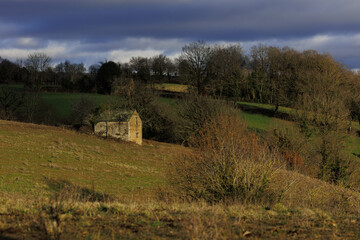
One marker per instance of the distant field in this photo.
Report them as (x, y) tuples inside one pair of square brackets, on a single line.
[(172, 87), (262, 122), (285, 110), (267, 106), (63, 102)]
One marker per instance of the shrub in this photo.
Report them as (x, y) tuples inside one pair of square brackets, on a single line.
[(229, 164), (293, 146), (194, 111), (33, 108), (81, 109), (10, 100), (334, 159)]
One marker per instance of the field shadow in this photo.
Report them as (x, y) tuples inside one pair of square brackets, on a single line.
[(263, 111), (7, 238), (64, 189)]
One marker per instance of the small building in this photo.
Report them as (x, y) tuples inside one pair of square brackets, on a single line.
[(124, 125)]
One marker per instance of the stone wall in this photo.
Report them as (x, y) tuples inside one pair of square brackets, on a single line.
[(113, 129), (135, 126)]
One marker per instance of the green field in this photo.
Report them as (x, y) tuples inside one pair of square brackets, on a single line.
[(63, 102), (267, 106), (285, 110)]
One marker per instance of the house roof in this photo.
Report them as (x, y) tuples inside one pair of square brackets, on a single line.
[(116, 116)]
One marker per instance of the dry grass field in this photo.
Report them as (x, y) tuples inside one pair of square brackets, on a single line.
[(172, 87), (60, 184)]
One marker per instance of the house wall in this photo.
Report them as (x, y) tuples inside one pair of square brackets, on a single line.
[(113, 129), (135, 126), (127, 131)]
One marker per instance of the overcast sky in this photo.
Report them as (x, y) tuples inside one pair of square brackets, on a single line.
[(90, 31)]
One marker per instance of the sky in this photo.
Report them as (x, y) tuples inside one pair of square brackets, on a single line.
[(91, 31)]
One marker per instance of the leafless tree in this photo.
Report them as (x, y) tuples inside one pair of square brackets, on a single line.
[(193, 61), (37, 63), (227, 72)]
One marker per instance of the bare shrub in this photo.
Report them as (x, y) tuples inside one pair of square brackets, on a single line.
[(230, 164), (299, 191), (194, 111), (293, 147), (80, 110)]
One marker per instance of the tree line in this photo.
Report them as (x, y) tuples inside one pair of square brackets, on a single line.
[(267, 74)]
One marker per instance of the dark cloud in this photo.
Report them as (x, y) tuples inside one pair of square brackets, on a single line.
[(106, 25), (215, 20)]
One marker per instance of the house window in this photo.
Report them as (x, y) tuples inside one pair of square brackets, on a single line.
[(137, 135), (136, 121)]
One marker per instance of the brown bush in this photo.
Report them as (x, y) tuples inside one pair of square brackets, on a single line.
[(293, 147), (194, 111), (229, 164)]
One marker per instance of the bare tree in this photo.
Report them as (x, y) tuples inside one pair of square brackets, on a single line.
[(260, 62), (226, 67), (70, 73), (161, 65), (322, 103), (37, 63), (141, 67), (193, 61)]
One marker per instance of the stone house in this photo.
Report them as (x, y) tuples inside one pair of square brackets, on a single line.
[(124, 125)]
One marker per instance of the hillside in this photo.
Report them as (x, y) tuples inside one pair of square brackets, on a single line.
[(33, 154), (60, 184)]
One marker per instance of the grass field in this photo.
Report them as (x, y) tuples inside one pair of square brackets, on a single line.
[(63, 102), (262, 122), (60, 184), (172, 87), (32, 154), (267, 106), (285, 110)]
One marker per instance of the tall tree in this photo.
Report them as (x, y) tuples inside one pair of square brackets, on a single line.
[(226, 69), (161, 66), (70, 74), (141, 67), (37, 63), (324, 85), (259, 76), (193, 64), (107, 74)]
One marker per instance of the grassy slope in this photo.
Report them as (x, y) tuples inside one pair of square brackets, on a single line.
[(35, 159), (262, 122), (32, 154), (286, 110)]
